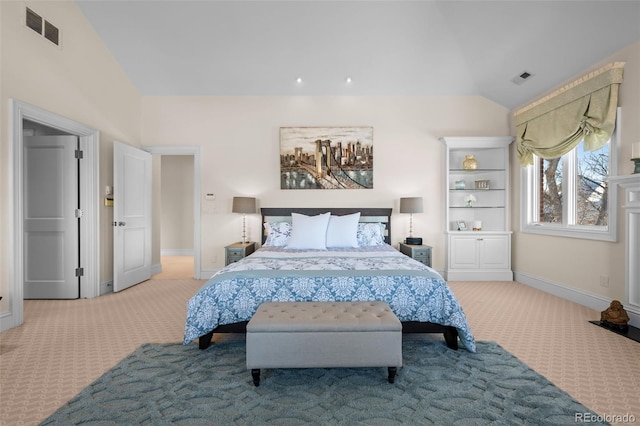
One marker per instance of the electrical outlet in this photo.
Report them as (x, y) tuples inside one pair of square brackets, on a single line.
[(604, 281)]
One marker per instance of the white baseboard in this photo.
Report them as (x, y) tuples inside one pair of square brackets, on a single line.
[(6, 321), (106, 287), (478, 275), (176, 252), (634, 316), (580, 297), (156, 269), (205, 274)]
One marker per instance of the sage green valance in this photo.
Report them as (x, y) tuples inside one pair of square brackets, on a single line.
[(584, 109)]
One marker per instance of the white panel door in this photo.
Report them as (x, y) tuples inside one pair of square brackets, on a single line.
[(50, 199), (131, 216)]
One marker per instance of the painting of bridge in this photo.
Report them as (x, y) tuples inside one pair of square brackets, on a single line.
[(326, 157)]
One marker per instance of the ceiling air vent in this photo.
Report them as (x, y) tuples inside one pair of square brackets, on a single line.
[(522, 77), (42, 27)]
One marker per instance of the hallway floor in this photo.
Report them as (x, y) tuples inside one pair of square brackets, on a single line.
[(175, 268)]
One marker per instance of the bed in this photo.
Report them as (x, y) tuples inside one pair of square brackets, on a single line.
[(301, 261)]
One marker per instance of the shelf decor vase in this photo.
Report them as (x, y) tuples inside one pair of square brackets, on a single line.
[(470, 199), (470, 162)]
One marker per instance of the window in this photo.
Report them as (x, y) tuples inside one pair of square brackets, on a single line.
[(569, 196)]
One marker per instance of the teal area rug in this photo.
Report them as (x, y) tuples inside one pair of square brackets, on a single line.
[(175, 384)]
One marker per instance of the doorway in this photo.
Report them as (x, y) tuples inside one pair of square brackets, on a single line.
[(89, 205), (176, 211), (176, 217)]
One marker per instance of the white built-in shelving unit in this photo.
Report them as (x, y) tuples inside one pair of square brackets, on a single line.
[(485, 254)]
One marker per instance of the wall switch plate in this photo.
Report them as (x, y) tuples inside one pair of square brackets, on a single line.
[(604, 281)]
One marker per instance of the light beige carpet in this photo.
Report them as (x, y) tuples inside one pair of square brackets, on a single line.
[(65, 345)]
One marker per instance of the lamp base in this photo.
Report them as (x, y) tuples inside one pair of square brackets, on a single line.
[(637, 163), (414, 241)]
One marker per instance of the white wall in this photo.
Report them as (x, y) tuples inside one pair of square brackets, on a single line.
[(577, 263), (78, 80), (239, 139), (176, 214)]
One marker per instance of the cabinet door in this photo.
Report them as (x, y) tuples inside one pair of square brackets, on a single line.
[(463, 252), (494, 252)]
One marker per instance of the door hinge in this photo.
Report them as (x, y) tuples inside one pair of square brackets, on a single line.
[(78, 154), (79, 272), (79, 213)]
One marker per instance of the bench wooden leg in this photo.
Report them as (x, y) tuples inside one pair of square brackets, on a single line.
[(255, 373), (392, 374)]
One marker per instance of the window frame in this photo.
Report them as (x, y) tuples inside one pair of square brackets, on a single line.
[(530, 201)]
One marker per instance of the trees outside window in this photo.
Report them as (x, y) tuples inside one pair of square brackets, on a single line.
[(592, 193), (550, 190), (569, 195)]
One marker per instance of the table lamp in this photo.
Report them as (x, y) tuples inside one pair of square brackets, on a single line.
[(411, 205), (244, 205)]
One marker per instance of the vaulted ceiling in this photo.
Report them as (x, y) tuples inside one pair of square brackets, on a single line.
[(449, 47)]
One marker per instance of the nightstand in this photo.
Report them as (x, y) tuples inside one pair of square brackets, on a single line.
[(420, 253), (236, 251)]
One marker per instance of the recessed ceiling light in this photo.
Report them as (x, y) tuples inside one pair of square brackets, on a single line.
[(299, 80), (348, 80)]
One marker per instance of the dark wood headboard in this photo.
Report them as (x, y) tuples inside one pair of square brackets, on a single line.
[(283, 214)]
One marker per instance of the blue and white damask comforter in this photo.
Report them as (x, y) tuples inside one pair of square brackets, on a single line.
[(414, 291)]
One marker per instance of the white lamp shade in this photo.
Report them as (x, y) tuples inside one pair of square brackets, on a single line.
[(246, 205), (411, 205)]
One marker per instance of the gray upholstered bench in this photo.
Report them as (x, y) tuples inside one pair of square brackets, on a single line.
[(324, 334)]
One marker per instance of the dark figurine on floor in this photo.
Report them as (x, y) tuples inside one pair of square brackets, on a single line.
[(615, 317)]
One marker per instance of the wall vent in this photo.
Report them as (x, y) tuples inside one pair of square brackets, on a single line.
[(522, 77), (51, 32), (34, 21), (43, 27)]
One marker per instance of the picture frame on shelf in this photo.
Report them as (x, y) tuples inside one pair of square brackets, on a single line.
[(462, 225), (481, 184)]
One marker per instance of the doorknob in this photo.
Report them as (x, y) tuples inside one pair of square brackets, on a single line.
[(122, 223)]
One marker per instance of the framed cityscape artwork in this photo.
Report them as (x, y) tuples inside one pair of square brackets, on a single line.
[(326, 157)]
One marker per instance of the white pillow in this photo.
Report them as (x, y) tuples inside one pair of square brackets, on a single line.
[(343, 230), (308, 232)]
